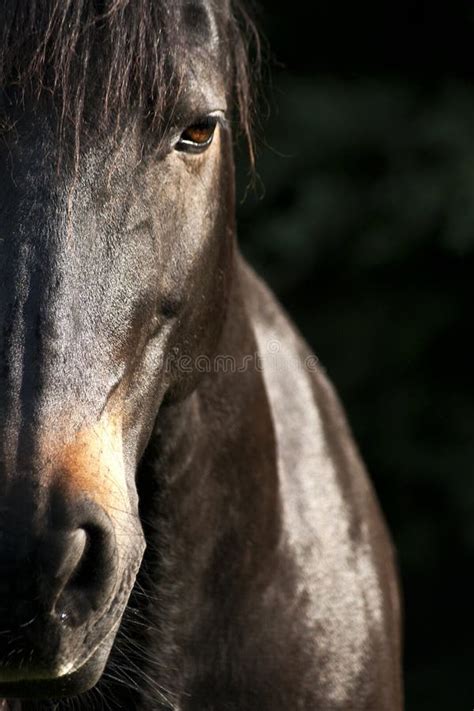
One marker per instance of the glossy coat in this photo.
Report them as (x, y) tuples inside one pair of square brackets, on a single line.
[(155, 396)]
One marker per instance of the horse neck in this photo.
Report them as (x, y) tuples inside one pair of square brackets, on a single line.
[(211, 506)]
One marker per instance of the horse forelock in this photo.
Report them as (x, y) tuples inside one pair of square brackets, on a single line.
[(121, 54)]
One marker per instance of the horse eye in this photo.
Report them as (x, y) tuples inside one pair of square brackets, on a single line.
[(197, 137)]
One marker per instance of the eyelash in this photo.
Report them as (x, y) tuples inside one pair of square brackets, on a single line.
[(198, 137)]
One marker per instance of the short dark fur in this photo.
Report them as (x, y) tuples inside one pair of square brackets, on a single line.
[(221, 520)]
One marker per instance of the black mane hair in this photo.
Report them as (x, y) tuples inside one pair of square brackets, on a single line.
[(124, 52)]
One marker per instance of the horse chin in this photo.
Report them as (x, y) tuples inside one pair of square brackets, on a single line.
[(70, 684)]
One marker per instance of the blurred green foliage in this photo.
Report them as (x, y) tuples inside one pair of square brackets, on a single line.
[(363, 223)]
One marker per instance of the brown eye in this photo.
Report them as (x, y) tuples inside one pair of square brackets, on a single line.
[(198, 137)]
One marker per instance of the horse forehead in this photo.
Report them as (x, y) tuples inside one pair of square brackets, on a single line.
[(198, 16)]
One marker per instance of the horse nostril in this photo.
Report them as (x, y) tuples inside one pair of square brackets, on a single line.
[(87, 572), (76, 544), (75, 551)]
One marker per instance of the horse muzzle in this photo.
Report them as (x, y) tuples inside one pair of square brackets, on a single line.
[(65, 577)]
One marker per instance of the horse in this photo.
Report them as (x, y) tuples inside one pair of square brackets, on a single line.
[(185, 520)]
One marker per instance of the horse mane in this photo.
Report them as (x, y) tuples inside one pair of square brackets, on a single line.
[(123, 52)]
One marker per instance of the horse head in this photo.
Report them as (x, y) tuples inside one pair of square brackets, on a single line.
[(116, 240)]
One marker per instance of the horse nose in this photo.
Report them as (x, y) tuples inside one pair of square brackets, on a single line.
[(66, 570)]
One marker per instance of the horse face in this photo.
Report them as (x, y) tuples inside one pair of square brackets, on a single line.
[(112, 280)]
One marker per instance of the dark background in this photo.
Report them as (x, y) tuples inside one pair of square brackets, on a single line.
[(363, 223)]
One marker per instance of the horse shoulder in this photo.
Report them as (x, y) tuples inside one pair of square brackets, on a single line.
[(332, 528)]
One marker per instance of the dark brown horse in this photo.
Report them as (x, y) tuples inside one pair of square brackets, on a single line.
[(185, 522)]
